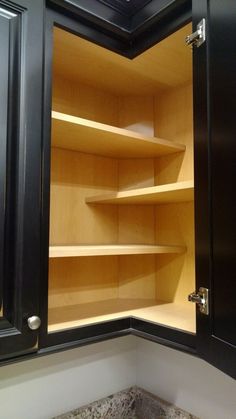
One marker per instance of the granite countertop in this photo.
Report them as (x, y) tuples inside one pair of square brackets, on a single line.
[(133, 403)]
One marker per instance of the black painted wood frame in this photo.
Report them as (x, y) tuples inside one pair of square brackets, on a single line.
[(128, 36), (215, 199), (20, 172)]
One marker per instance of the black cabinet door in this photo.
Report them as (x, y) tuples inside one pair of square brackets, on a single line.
[(21, 41), (215, 177)]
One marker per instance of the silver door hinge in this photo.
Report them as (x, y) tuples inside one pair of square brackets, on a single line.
[(198, 37), (201, 298)]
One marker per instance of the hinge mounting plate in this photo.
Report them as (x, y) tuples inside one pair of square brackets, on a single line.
[(198, 37), (201, 298)]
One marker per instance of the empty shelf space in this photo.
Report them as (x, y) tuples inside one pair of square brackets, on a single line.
[(164, 194), (108, 250), (73, 133), (177, 315)]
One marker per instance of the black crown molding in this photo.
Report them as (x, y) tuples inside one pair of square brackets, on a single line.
[(135, 28), (126, 7)]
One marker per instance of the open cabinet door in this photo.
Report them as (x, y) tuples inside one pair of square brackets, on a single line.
[(21, 34), (215, 174)]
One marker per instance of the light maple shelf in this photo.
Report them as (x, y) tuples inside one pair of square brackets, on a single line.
[(79, 134), (177, 315), (164, 194), (108, 250)]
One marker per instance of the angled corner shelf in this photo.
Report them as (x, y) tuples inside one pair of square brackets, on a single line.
[(79, 134), (62, 251), (177, 315), (164, 194)]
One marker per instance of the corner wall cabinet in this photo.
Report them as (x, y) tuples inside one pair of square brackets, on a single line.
[(131, 184), (121, 242)]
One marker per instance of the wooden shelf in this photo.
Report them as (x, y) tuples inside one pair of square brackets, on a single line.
[(164, 194), (73, 133), (177, 315), (108, 250)]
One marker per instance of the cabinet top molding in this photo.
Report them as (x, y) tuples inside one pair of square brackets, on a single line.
[(127, 23)]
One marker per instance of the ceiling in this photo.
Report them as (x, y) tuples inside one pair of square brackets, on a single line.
[(167, 64)]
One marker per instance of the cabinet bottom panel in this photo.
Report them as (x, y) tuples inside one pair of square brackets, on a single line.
[(176, 315)]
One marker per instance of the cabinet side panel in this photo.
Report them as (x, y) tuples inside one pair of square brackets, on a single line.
[(174, 122), (175, 222), (175, 273)]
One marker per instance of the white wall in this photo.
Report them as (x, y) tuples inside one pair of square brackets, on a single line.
[(44, 387), (54, 384), (186, 381)]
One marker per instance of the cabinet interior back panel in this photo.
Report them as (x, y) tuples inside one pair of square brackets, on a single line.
[(85, 290)]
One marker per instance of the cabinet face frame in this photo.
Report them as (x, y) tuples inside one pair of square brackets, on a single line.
[(82, 335), (22, 48)]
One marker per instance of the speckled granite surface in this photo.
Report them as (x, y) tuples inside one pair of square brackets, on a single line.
[(117, 406), (133, 403), (148, 406)]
